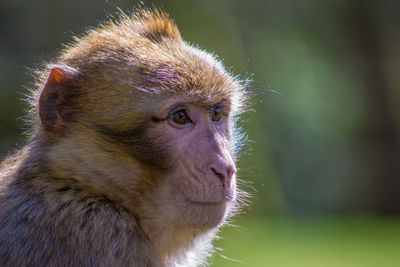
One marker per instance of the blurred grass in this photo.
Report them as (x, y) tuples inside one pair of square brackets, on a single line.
[(343, 241)]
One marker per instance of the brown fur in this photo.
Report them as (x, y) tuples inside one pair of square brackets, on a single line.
[(88, 189)]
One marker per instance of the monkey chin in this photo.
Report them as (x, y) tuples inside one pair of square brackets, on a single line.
[(202, 215)]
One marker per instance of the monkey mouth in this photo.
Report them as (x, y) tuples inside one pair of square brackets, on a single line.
[(205, 203), (223, 199), (208, 203)]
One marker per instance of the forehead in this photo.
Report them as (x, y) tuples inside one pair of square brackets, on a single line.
[(185, 70), (187, 99)]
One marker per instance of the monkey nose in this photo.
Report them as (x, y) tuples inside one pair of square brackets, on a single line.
[(224, 173)]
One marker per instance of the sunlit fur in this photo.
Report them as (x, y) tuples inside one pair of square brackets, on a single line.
[(56, 193)]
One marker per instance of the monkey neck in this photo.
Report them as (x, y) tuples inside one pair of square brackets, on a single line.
[(176, 243)]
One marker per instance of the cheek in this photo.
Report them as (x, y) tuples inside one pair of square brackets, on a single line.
[(185, 150)]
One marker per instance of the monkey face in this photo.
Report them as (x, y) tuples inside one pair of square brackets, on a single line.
[(172, 152), (200, 183), (169, 153)]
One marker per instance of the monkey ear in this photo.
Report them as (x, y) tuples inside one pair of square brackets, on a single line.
[(55, 108)]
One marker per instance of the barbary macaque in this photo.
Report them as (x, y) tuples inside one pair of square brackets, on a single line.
[(131, 156)]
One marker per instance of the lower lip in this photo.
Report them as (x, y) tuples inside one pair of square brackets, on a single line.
[(206, 204)]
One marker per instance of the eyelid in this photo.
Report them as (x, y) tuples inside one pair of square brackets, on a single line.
[(170, 113), (178, 108)]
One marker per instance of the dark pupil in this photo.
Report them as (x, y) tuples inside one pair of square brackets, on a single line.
[(216, 114), (180, 117)]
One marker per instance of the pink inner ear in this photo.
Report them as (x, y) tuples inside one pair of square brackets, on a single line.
[(52, 99), (57, 75)]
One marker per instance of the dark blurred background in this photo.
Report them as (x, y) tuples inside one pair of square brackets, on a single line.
[(323, 161)]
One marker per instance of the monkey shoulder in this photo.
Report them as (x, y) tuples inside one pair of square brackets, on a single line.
[(67, 227)]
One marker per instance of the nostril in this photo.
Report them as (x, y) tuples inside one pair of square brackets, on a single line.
[(218, 174), (224, 173)]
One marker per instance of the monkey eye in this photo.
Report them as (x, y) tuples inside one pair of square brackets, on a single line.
[(180, 117), (216, 114)]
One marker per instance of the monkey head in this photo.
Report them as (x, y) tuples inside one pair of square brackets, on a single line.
[(133, 112)]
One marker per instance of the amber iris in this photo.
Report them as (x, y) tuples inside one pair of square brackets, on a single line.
[(216, 114), (180, 117)]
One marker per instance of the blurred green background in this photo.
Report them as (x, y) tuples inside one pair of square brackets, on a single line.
[(323, 161)]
